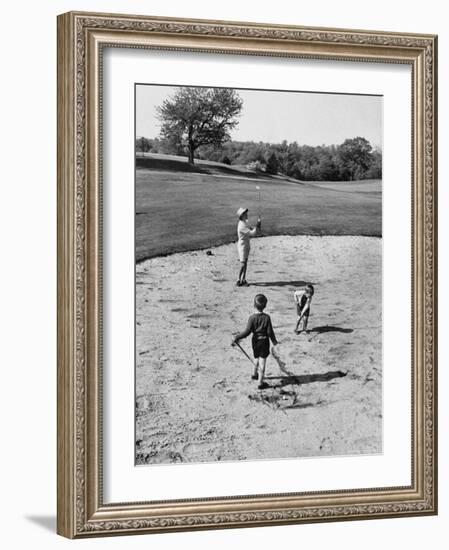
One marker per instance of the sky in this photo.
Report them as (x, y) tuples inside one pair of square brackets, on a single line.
[(309, 118)]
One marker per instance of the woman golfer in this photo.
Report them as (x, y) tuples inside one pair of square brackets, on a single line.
[(244, 233)]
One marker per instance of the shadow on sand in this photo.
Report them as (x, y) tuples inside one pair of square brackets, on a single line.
[(283, 283), (328, 328), (305, 378)]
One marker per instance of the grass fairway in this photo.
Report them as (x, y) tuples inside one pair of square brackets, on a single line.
[(181, 207)]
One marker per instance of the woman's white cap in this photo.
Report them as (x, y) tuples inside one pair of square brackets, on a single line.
[(241, 211)]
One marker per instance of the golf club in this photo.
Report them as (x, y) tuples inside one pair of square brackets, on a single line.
[(279, 361), (244, 352)]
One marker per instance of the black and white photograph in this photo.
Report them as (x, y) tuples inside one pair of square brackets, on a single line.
[(222, 323), (258, 276)]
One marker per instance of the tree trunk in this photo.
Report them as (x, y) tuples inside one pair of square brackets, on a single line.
[(191, 157), (191, 151)]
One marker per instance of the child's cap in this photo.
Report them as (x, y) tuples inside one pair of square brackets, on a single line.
[(241, 211), (260, 301)]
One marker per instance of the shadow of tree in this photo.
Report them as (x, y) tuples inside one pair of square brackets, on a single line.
[(182, 165)]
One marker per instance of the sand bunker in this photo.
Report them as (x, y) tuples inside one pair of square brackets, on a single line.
[(195, 400)]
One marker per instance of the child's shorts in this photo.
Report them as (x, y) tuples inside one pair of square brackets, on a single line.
[(261, 348), (243, 252)]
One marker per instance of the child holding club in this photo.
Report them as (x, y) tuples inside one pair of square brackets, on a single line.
[(303, 299), (244, 234), (259, 324)]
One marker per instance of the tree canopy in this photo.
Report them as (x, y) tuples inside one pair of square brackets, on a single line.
[(196, 117), (355, 155), (354, 159)]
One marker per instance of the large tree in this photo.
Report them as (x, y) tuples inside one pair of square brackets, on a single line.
[(199, 116), (355, 156)]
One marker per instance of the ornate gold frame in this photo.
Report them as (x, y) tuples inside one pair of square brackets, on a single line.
[(81, 37)]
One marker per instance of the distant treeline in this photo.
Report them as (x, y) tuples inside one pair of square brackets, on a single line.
[(354, 159)]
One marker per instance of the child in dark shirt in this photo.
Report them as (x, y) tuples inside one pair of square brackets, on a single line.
[(259, 324)]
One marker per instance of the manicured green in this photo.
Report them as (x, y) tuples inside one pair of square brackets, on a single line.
[(180, 207)]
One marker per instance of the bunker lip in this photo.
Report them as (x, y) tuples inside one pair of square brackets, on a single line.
[(195, 400)]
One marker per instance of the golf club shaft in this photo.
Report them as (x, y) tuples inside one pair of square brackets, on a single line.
[(244, 353)]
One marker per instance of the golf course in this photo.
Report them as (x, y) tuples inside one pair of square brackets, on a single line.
[(182, 207), (195, 399)]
